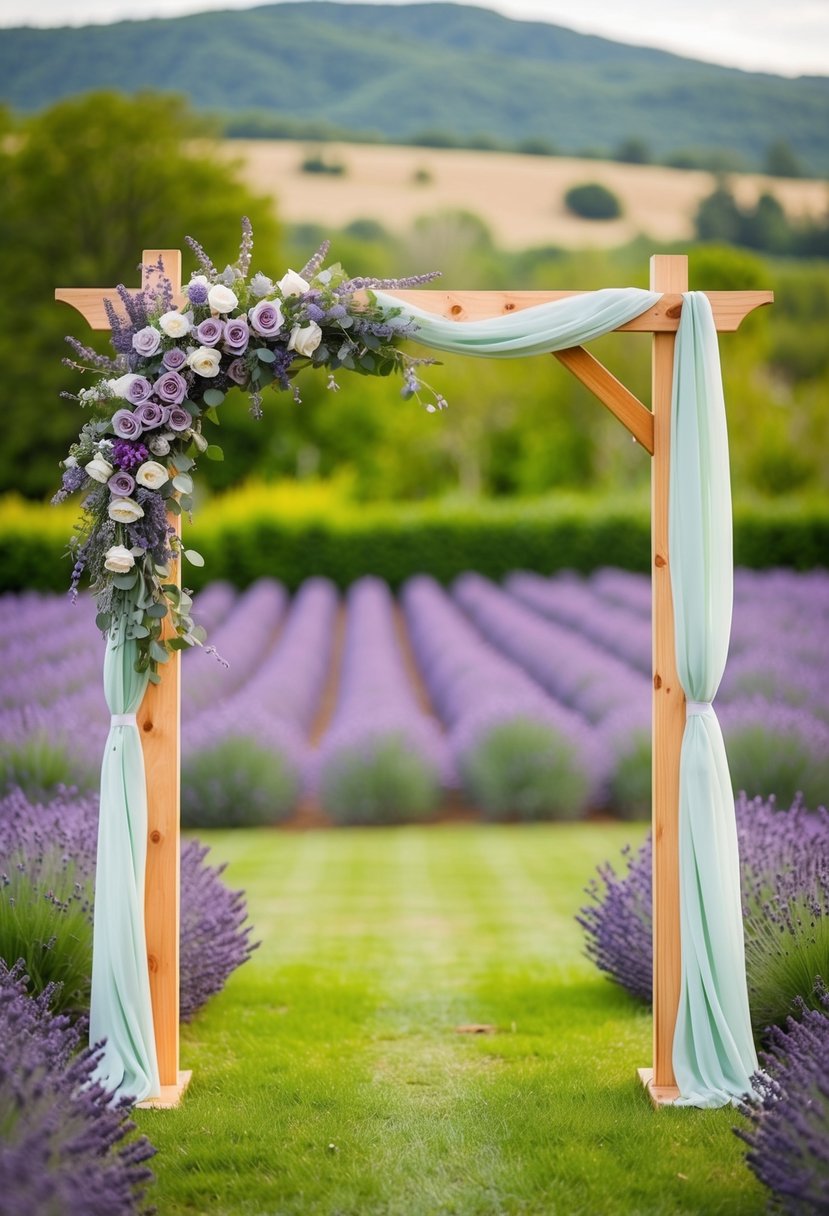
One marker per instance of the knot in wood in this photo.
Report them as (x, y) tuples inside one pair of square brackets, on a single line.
[(155, 836)]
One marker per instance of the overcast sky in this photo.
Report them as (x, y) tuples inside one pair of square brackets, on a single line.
[(789, 38)]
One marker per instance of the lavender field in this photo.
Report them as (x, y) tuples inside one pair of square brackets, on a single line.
[(527, 700)]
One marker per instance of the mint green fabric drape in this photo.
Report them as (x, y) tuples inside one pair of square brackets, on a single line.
[(530, 331), (121, 1012), (713, 1048), (713, 1052)]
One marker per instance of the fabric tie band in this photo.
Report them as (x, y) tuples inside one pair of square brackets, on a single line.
[(697, 707), (123, 720)]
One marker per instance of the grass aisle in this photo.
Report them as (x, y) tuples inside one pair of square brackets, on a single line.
[(330, 1080)]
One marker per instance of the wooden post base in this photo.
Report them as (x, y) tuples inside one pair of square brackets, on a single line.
[(169, 1096), (660, 1095)]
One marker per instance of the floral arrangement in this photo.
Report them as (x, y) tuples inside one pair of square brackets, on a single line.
[(173, 367)]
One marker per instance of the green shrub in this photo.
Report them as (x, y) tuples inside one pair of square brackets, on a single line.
[(45, 920), (39, 763), (237, 782), (343, 542), (382, 781), (525, 769), (593, 201)]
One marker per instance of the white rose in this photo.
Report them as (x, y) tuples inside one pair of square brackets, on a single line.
[(221, 298), (305, 339), (125, 510), (204, 361), (159, 446), (118, 559), (292, 284), (151, 474), (175, 324), (99, 469), (120, 387)]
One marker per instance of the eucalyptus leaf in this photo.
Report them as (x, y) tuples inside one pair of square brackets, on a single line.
[(265, 355), (173, 506), (213, 397), (157, 611), (194, 557), (213, 416), (140, 631), (103, 620), (183, 482), (158, 652), (125, 582), (214, 452)]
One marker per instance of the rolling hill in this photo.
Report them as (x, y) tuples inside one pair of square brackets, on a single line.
[(401, 70)]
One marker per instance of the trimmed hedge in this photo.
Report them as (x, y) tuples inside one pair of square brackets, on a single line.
[(345, 541)]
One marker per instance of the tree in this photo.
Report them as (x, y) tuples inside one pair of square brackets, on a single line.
[(92, 182), (593, 201), (781, 160)]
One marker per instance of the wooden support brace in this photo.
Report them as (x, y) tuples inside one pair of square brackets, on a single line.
[(611, 392)]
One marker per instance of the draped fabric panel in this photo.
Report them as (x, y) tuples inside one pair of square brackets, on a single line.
[(539, 330), (713, 1048), (121, 1010), (713, 1052)]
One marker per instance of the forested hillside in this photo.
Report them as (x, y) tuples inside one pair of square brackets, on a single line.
[(404, 71)]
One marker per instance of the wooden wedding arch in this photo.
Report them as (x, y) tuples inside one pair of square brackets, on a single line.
[(160, 715)]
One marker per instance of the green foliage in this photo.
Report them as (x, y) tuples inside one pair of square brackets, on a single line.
[(593, 201), (764, 226), (316, 162), (633, 151), (346, 540), (781, 161), (383, 781), (777, 758), (524, 769), (630, 780), (465, 73), (86, 187), (39, 763), (45, 920), (237, 782)]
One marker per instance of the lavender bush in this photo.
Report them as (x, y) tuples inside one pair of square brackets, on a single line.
[(515, 750), (51, 927), (784, 862), (777, 749), (64, 1148), (789, 1135), (382, 758)]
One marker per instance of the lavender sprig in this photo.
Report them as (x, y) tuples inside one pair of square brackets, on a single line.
[(349, 286), (245, 247), (202, 258), (315, 261)]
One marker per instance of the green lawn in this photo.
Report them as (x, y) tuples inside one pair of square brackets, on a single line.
[(329, 1077)]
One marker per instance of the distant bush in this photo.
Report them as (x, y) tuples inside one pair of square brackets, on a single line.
[(315, 162), (250, 534), (765, 226), (237, 782), (593, 201), (777, 749), (525, 769), (39, 762), (383, 780), (421, 177)]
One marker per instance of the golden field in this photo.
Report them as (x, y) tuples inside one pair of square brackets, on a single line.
[(520, 198)]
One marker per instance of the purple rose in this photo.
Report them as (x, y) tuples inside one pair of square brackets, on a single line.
[(209, 333), (150, 415), (139, 390), (179, 419), (171, 388), (266, 318), (174, 358), (237, 336), (121, 484), (238, 372), (147, 341), (126, 425)]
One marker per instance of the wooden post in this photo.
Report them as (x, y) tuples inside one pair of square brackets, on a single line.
[(668, 273)]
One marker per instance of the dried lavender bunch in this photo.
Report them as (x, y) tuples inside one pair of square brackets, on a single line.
[(789, 1136), (784, 866), (64, 1147)]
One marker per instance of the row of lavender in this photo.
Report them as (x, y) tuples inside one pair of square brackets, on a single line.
[(533, 697)]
